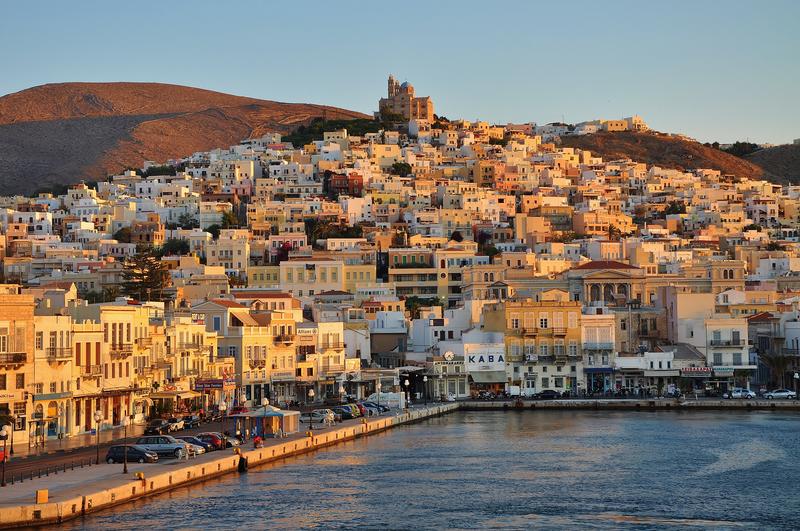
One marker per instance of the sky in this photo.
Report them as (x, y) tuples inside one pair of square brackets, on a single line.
[(710, 69)]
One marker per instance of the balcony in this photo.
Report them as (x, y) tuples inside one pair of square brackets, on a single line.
[(559, 331), (59, 353), (332, 346), (191, 372), (283, 339), (11, 358), (727, 343), (120, 349), (333, 367), (598, 346), (257, 363), (189, 346), (92, 371), (144, 342)]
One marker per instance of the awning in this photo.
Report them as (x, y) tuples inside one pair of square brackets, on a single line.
[(188, 394), (489, 376)]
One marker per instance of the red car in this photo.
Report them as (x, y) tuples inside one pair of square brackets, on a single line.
[(361, 409), (213, 439), (238, 409)]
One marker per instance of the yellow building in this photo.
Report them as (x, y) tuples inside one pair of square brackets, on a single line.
[(543, 340), (16, 365)]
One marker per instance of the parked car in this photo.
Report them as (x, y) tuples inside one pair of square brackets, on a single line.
[(369, 411), (215, 440), (381, 407), (164, 445), (547, 394), (135, 454), (175, 424), (157, 427), (780, 393), (738, 392), (191, 421), (318, 415), (191, 439), (345, 412)]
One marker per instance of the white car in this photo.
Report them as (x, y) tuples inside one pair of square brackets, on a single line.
[(738, 392), (781, 393)]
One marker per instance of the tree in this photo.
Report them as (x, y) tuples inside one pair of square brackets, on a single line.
[(283, 252), (187, 221), (457, 236), (401, 168), (414, 303), (778, 364), (175, 246), (123, 235), (229, 220), (144, 276), (675, 207), (213, 230), (752, 226)]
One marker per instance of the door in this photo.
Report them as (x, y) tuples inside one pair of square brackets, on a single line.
[(87, 415)]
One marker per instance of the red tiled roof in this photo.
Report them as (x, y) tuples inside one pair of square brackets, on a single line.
[(605, 264), (226, 303), (260, 295), (763, 316)]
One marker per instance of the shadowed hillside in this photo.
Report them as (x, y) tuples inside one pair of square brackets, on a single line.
[(62, 133), (664, 151)]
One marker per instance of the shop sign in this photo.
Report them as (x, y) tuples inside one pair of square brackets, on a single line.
[(723, 371), (696, 372), (485, 358)]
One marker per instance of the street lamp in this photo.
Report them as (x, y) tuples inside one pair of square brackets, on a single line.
[(797, 386), (378, 392), (4, 433), (222, 408), (97, 418), (264, 402), (13, 423), (425, 389), (408, 392), (342, 392), (310, 416), (125, 422), (61, 424)]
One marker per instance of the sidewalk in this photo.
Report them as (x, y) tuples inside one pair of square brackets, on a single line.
[(83, 440)]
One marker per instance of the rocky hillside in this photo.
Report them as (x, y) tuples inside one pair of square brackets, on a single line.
[(783, 161), (665, 151), (62, 133)]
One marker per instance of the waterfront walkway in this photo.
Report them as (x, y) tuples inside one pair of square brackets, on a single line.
[(74, 493)]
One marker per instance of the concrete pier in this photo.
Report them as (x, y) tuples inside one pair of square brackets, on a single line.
[(634, 404), (73, 494)]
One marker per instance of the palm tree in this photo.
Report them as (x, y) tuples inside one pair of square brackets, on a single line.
[(778, 363)]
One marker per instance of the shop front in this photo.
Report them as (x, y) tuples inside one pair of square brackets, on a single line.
[(213, 390), (599, 380), (694, 379)]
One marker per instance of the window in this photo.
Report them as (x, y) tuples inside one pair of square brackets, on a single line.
[(543, 320), (559, 382), (21, 380), (39, 340), (717, 358), (217, 324), (2, 382), (737, 358), (545, 382), (544, 350)]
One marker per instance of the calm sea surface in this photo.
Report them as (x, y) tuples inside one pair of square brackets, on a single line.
[(531, 469)]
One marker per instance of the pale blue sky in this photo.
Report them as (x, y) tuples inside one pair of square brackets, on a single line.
[(711, 69)]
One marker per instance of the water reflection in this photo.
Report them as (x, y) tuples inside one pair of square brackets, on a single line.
[(544, 469)]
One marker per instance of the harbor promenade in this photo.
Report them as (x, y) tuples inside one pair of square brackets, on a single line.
[(70, 494)]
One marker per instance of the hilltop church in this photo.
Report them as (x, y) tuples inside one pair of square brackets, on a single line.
[(401, 101)]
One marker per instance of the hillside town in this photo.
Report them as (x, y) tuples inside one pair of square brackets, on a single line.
[(444, 259)]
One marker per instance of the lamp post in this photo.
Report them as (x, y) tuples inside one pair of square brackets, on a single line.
[(97, 418), (61, 424), (342, 392), (378, 392), (125, 422), (13, 424), (264, 402), (223, 407), (797, 386), (425, 389), (4, 432), (310, 416), (408, 392)]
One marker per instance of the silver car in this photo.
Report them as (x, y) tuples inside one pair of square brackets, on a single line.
[(781, 393), (164, 445)]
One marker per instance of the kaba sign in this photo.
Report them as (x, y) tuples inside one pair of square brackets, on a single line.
[(486, 358)]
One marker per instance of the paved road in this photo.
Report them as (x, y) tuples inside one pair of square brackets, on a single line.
[(56, 459)]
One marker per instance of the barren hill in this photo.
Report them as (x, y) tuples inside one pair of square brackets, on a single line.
[(665, 151), (779, 160), (62, 133)]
